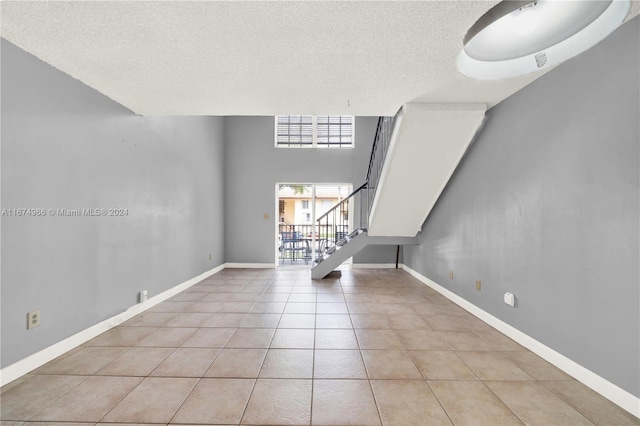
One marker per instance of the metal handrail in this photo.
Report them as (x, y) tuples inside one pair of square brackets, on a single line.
[(333, 227), (338, 227), (373, 148), (378, 153), (343, 201)]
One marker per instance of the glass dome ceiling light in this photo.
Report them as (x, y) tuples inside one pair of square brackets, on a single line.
[(519, 37)]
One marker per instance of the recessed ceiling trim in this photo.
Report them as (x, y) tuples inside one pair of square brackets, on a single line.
[(546, 56), (496, 12)]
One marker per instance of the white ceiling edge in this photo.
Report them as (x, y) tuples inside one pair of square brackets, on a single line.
[(428, 142)]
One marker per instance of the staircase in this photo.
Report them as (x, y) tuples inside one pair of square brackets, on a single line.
[(349, 246), (413, 156)]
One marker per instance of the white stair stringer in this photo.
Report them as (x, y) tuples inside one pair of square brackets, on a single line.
[(426, 145), (350, 247)]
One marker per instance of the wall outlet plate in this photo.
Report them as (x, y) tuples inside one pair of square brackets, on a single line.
[(510, 299), (33, 319), (478, 285), (450, 275)]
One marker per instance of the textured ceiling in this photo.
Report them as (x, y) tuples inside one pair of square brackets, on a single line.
[(259, 58)]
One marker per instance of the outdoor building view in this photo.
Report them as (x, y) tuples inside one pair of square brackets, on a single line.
[(299, 206)]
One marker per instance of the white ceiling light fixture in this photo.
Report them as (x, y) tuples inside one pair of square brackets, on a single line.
[(519, 37)]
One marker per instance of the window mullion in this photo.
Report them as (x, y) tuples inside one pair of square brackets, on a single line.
[(314, 127)]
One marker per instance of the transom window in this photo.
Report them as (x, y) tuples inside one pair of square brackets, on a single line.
[(321, 131)]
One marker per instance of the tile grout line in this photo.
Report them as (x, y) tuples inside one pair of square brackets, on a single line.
[(440, 402), (185, 399), (373, 394), (414, 363), (503, 402), (542, 383), (55, 400), (313, 361), (120, 400), (255, 381), (427, 382)]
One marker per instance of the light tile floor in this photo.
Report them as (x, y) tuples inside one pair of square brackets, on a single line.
[(273, 347)]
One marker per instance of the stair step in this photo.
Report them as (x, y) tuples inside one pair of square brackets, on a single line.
[(343, 241), (355, 233), (331, 251), (338, 253)]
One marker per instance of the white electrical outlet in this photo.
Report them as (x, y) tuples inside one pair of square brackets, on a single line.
[(142, 296), (33, 319), (510, 299)]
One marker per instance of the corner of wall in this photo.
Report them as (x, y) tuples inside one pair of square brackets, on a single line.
[(614, 393), (30, 363)]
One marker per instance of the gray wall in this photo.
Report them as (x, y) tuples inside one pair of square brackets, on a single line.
[(253, 166), (65, 145), (545, 205)]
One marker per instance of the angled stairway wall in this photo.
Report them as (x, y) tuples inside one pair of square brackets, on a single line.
[(427, 144)]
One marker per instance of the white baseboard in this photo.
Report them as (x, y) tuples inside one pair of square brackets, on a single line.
[(617, 395), (374, 266), (250, 265), (30, 363)]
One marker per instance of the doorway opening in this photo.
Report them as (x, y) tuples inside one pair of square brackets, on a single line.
[(298, 239)]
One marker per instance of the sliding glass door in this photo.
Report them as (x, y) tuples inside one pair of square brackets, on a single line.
[(299, 205)]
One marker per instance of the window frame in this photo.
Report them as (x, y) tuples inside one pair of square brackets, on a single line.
[(314, 128)]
